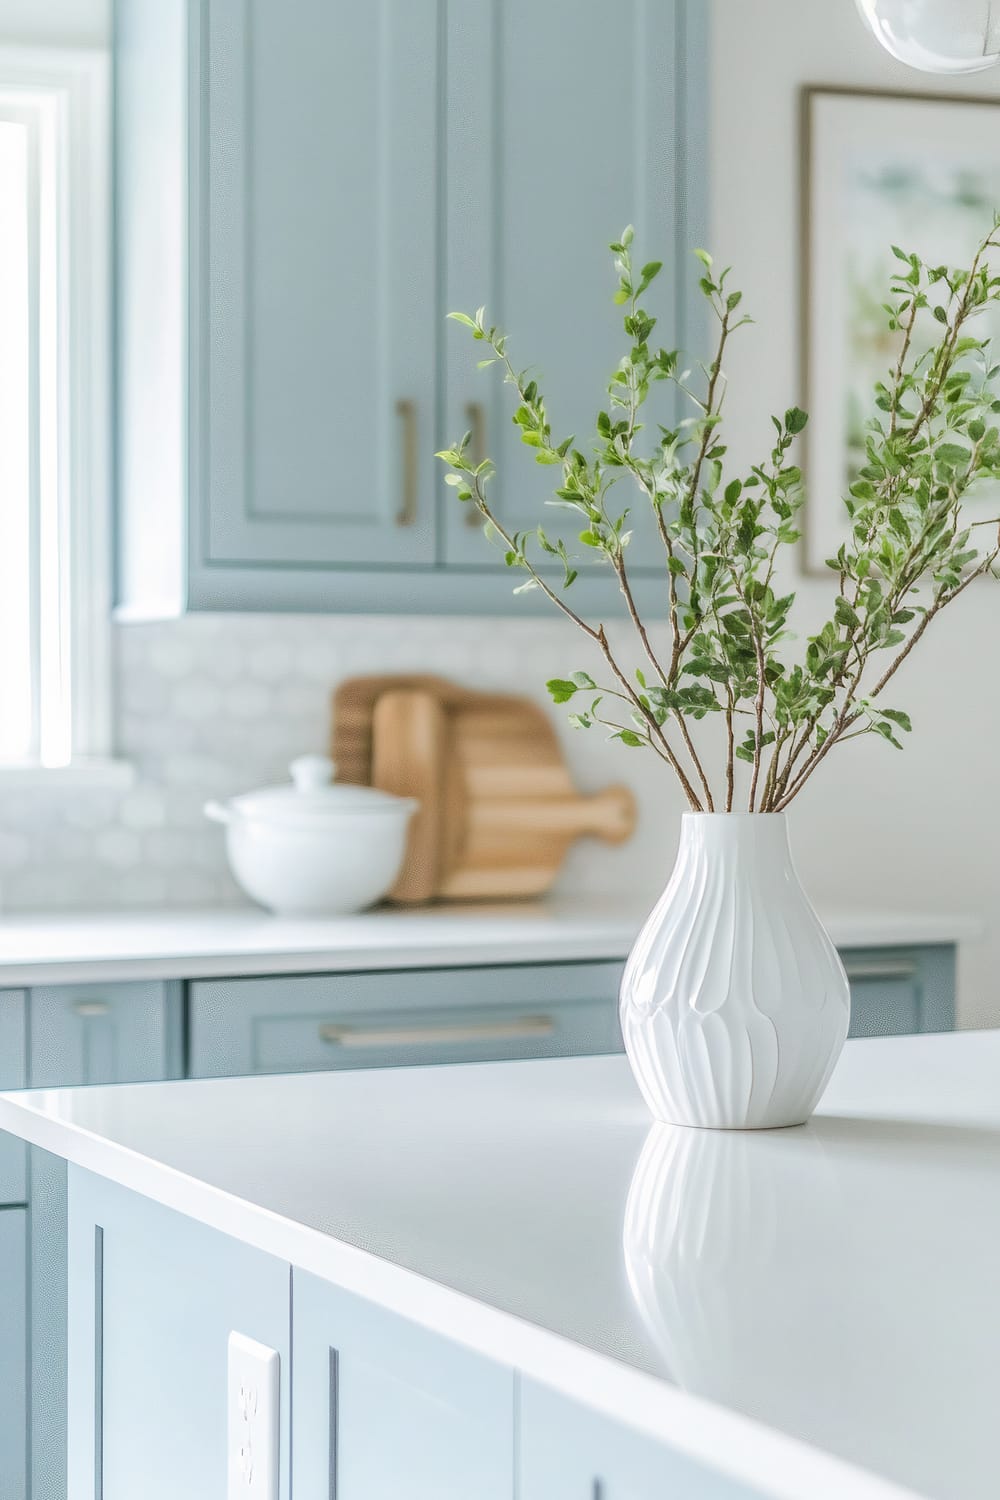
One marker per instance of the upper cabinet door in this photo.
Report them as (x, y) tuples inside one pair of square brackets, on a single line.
[(318, 317), (567, 120)]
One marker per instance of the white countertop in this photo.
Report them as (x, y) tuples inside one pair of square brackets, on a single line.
[(817, 1309), (103, 946)]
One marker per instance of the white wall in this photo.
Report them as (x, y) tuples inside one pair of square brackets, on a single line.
[(921, 828)]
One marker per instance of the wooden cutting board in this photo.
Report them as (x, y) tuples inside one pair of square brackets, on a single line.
[(498, 809)]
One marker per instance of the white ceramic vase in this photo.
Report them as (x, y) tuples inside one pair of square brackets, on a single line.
[(734, 1002)]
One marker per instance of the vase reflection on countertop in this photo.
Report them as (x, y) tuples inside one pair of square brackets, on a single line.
[(710, 1218), (757, 1264)]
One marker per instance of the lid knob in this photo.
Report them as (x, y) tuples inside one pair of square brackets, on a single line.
[(311, 773)]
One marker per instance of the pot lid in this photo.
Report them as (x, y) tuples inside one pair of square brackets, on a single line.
[(312, 796)]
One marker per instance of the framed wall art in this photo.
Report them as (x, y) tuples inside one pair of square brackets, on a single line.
[(918, 171)]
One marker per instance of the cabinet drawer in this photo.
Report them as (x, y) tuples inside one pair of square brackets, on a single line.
[(419, 1016), (896, 992), (104, 1033), (13, 1153)]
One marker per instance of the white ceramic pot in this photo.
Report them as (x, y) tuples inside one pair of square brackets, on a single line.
[(734, 1002), (311, 848)]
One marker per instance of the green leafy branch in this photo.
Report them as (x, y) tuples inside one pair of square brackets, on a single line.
[(721, 649)]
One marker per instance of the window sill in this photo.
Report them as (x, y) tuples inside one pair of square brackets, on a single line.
[(99, 773)]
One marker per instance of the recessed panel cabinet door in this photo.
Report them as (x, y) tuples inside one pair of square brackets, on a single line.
[(319, 318), (153, 1298), (567, 120), (383, 1408), (104, 1033), (568, 1452), (13, 1370)]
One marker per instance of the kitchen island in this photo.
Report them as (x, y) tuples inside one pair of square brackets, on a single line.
[(119, 997), (486, 1275)]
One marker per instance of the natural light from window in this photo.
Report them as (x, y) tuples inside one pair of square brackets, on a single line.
[(16, 694), (54, 529)]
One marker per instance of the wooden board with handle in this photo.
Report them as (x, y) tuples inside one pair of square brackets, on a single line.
[(498, 808)]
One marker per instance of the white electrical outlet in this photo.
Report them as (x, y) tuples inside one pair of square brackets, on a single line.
[(252, 1425)]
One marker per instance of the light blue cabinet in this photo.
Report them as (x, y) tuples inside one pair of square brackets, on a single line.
[(371, 1405), (13, 1075), (153, 1299), (898, 992), (13, 1365), (301, 194), (568, 1452), (72, 1034), (293, 1023), (111, 1033), (318, 249), (384, 1408), (563, 126)]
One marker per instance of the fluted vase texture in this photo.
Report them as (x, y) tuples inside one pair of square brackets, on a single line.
[(734, 1001)]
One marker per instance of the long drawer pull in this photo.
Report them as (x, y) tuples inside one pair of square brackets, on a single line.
[(890, 968), (524, 1028), (90, 1008)]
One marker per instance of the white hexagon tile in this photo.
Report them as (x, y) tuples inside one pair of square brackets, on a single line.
[(211, 705)]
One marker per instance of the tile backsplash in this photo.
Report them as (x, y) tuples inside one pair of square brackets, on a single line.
[(211, 705)]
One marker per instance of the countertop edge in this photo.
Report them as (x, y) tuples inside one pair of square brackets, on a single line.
[(726, 1441), (233, 962), (106, 947)]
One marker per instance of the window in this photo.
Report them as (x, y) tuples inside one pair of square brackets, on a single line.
[(55, 545)]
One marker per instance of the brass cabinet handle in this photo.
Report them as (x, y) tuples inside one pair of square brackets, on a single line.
[(90, 1008), (406, 410), (888, 968), (475, 415), (421, 1036)]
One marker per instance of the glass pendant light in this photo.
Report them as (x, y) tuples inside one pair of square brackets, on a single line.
[(937, 36)]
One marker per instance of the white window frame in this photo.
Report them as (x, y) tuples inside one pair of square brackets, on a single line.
[(67, 95)]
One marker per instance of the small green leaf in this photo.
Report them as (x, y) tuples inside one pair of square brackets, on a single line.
[(845, 614), (898, 717)]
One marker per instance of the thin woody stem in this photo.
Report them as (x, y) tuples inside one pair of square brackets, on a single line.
[(848, 718), (599, 637)]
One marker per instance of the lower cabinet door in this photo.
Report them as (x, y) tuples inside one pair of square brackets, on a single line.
[(104, 1033), (568, 1452), (153, 1299), (383, 1408), (898, 992), (13, 1353), (13, 1064)]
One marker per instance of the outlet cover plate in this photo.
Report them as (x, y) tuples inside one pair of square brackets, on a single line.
[(253, 1390)]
